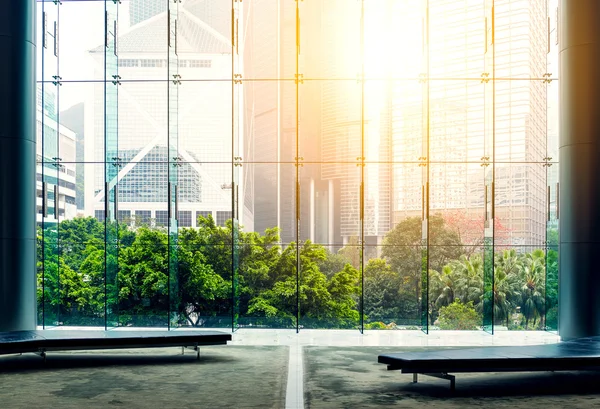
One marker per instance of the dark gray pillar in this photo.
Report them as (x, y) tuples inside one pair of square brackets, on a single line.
[(579, 226), (17, 165)]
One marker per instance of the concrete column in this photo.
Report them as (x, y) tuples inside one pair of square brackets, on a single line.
[(17, 165), (579, 223)]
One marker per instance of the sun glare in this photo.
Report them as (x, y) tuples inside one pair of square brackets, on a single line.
[(393, 40)]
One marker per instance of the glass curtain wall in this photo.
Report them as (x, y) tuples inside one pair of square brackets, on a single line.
[(373, 164)]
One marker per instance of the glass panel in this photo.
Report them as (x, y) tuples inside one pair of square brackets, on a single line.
[(173, 160), (82, 250), (394, 40), (240, 150), (205, 275), (144, 120), (456, 240), (143, 280), (330, 302), (204, 39), (520, 121), (330, 206), (269, 120), (142, 35), (267, 249), (330, 124), (392, 279), (269, 40), (112, 167), (551, 291), (205, 121), (81, 133), (521, 38), (143, 284), (457, 38), (49, 272), (40, 41), (488, 163), (519, 288), (82, 254), (81, 40), (456, 278), (457, 117), (521, 204), (552, 177), (49, 42), (330, 34)]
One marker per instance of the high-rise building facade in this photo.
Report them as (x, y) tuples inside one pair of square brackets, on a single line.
[(454, 114), (188, 79), (55, 175)]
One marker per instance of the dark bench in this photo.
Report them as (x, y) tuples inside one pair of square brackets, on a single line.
[(41, 341), (577, 355)]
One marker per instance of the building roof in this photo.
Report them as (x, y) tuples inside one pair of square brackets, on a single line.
[(195, 35)]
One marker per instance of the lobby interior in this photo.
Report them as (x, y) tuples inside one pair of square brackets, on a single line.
[(323, 181)]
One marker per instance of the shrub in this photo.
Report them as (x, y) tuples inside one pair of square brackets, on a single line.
[(458, 316), (375, 325)]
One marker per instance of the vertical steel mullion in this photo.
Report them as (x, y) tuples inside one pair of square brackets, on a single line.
[(106, 199), (485, 199), (233, 164), (44, 197), (176, 193), (106, 185), (427, 170), (362, 167), (298, 266), (169, 244), (547, 201), (493, 156), (117, 203), (56, 205), (57, 160), (169, 196)]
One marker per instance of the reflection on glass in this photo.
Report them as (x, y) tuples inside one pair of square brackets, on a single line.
[(386, 165)]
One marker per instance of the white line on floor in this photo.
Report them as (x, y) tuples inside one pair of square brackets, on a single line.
[(294, 397)]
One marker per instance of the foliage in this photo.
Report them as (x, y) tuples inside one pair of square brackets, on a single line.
[(220, 272), (375, 325), (459, 316)]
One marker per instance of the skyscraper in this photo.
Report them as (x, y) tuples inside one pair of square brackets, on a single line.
[(182, 98), (140, 10), (460, 127)]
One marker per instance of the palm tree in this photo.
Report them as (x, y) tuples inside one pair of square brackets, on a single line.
[(441, 289), (506, 287), (468, 278), (532, 286)]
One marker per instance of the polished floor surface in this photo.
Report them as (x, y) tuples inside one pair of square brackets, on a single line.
[(285, 369)]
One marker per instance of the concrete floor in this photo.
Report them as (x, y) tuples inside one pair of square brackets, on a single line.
[(265, 368)]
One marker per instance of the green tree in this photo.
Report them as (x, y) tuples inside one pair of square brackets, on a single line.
[(459, 316), (143, 278), (403, 247), (382, 298), (468, 277), (507, 267), (532, 289), (442, 288)]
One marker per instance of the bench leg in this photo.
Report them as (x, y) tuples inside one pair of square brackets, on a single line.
[(42, 353), (415, 378), (195, 348), (442, 375)]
